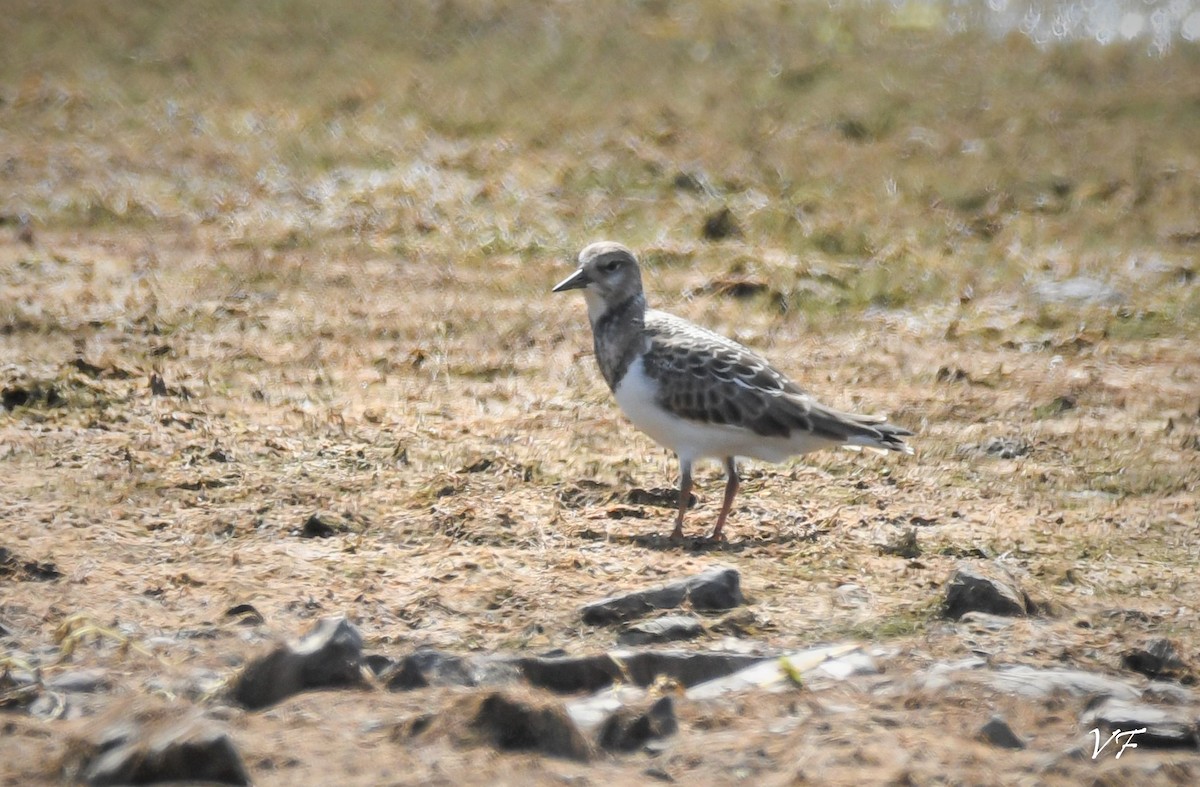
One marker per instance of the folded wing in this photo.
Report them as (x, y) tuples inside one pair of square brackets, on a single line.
[(705, 377)]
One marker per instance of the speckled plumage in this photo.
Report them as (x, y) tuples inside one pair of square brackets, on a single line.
[(697, 392)]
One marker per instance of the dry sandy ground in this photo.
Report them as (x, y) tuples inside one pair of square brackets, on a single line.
[(179, 431), (259, 261)]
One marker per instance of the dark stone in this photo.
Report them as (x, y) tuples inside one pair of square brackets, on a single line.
[(158, 386), (13, 567), (1164, 727), (406, 677), (590, 673), (904, 545), (625, 512), (187, 749), (1006, 447), (946, 374), (628, 729), (718, 588), (329, 655), (665, 629), (720, 225), (379, 664), (1157, 658), (960, 552), (322, 526), (428, 667), (479, 465), (561, 674), (694, 181), (970, 591), (87, 368), (513, 722), (740, 288), (245, 614), (998, 733), (14, 397)]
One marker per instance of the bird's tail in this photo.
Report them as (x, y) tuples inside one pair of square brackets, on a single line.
[(856, 431), (887, 437)]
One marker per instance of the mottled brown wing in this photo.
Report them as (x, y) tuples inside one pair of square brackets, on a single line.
[(705, 377)]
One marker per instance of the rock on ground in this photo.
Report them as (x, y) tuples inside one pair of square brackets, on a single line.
[(718, 588), (1157, 658), (511, 720), (641, 667), (669, 628), (330, 654), (972, 591), (629, 728), (998, 733), (148, 744)]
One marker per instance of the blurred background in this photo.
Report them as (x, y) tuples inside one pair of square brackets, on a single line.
[(899, 154), (981, 172)]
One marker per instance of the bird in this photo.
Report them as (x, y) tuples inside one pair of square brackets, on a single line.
[(699, 394)]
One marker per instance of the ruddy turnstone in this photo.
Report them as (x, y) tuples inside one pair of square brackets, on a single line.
[(696, 392)]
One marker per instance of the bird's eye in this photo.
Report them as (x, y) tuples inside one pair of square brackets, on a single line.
[(610, 266)]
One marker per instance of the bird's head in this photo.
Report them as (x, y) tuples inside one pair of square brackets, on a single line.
[(608, 274)]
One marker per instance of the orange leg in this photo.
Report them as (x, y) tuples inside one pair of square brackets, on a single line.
[(685, 495), (731, 489)]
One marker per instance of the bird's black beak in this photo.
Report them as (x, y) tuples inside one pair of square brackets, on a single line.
[(576, 281)]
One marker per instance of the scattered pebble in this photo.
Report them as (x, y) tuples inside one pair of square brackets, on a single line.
[(670, 628), (998, 733), (427, 667), (510, 720), (329, 655), (628, 728), (640, 667), (1158, 658), (718, 588), (971, 591), (245, 614), (15, 568), (323, 525), (720, 225), (904, 545), (146, 746)]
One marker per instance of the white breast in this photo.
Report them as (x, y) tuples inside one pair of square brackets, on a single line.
[(691, 440)]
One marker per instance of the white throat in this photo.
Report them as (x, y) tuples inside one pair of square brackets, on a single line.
[(596, 305)]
